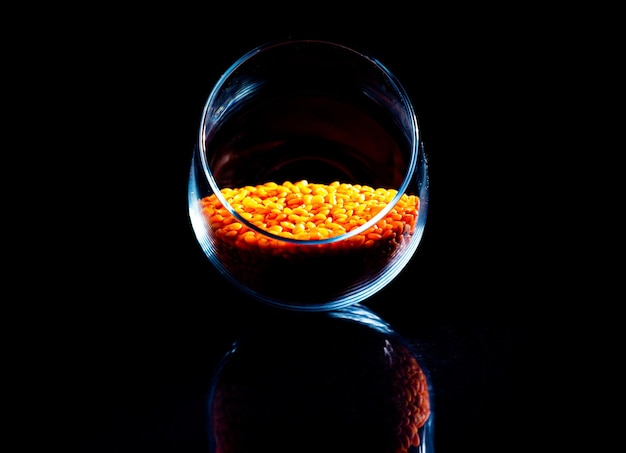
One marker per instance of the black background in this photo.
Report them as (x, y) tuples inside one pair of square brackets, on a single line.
[(138, 318)]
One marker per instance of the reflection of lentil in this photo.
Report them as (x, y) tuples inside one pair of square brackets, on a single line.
[(410, 395), (363, 393), (308, 211)]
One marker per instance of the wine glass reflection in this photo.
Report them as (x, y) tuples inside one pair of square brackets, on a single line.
[(335, 381)]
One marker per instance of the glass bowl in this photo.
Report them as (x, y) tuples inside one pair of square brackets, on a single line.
[(308, 187)]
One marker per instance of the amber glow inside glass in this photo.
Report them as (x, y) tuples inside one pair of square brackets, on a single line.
[(308, 187)]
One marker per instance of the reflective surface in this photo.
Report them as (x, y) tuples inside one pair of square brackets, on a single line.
[(335, 382), (131, 366), (308, 187)]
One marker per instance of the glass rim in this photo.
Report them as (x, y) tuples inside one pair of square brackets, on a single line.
[(415, 152)]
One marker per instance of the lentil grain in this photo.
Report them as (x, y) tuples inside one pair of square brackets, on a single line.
[(308, 211)]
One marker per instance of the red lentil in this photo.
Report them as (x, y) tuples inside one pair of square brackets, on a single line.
[(308, 211)]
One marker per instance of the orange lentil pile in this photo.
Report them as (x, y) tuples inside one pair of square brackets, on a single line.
[(308, 211), (304, 211)]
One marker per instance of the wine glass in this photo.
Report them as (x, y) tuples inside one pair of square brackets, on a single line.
[(308, 187)]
